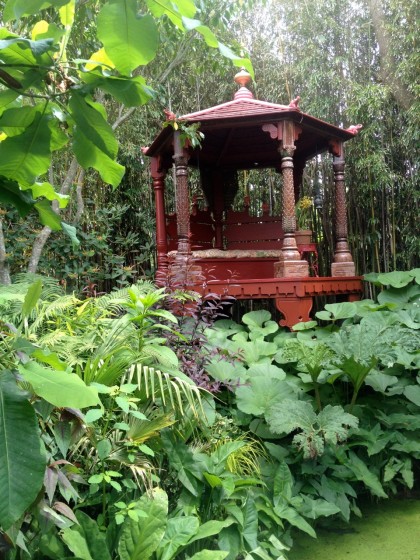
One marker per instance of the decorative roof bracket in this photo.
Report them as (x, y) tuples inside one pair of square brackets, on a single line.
[(285, 131)]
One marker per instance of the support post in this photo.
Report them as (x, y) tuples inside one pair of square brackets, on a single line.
[(218, 208), (158, 178), (182, 197), (183, 271), (343, 264), (290, 263)]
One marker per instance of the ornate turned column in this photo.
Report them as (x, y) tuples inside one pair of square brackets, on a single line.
[(180, 158), (343, 264), (183, 271), (290, 264), (158, 178)]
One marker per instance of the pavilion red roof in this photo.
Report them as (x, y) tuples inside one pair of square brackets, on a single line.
[(238, 124)]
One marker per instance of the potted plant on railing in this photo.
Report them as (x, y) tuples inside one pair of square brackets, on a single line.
[(303, 212)]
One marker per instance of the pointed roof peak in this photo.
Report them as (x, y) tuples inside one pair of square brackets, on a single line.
[(243, 78)]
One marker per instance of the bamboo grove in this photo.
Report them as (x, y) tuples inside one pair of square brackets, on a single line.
[(349, 62)]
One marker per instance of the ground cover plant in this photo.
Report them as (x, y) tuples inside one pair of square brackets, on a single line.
[(126, 457)]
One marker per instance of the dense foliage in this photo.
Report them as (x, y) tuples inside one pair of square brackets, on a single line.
[(352, 63), (126, 431), (126, 457), (55, 93)]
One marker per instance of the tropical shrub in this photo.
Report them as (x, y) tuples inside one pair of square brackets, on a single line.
[(133, 460), (62, 355), (335, 402)]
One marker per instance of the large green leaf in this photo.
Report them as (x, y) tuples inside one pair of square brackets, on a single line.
[(179, 531), (71, 232), (59, 388), (15, 9), (85, 540), (129, 41), (292, 516), (189, 466), (167, 8), (362, 473), (31, 298), (283, 484), (89, 119), (14, 121), (24, 157), (261, 393), (207, 34), (94, 143), (132, 92), (256, 318), (22, 457), (396, 279), (230, 539), (47, 190), (250, 526), (210, 528), (237, 61), (47, 215), (336, 311), (210, 555), (7, 98), (17, 50), (140, 539), (45, 30), (10, 193), (412, 393)]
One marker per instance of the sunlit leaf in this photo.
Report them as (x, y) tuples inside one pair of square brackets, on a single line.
[(129, 41), (59, 388), (94, 143), (15, 9)]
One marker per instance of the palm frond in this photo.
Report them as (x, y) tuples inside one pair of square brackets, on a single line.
[(143, 430), (170, 389), (105, 371)]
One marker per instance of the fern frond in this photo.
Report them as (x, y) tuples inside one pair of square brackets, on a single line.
[(114, 300), (56, 308)]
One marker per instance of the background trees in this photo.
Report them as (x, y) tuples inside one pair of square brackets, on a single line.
[(350, 63)]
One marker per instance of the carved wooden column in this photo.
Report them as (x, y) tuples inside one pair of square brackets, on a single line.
[(158, 178), (180, 158), (290, 263), (343, 264), (183, 271)]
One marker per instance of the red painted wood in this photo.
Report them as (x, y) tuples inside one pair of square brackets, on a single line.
[(293, 296), (253, 232), (233, 269), (255, 245), (201, 230), (250, 134)]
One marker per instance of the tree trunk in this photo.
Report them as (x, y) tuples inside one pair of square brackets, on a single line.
[(389, 66), (4, 267), (43, 236)]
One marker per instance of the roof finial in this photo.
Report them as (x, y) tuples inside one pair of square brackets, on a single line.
[(243, 78)]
